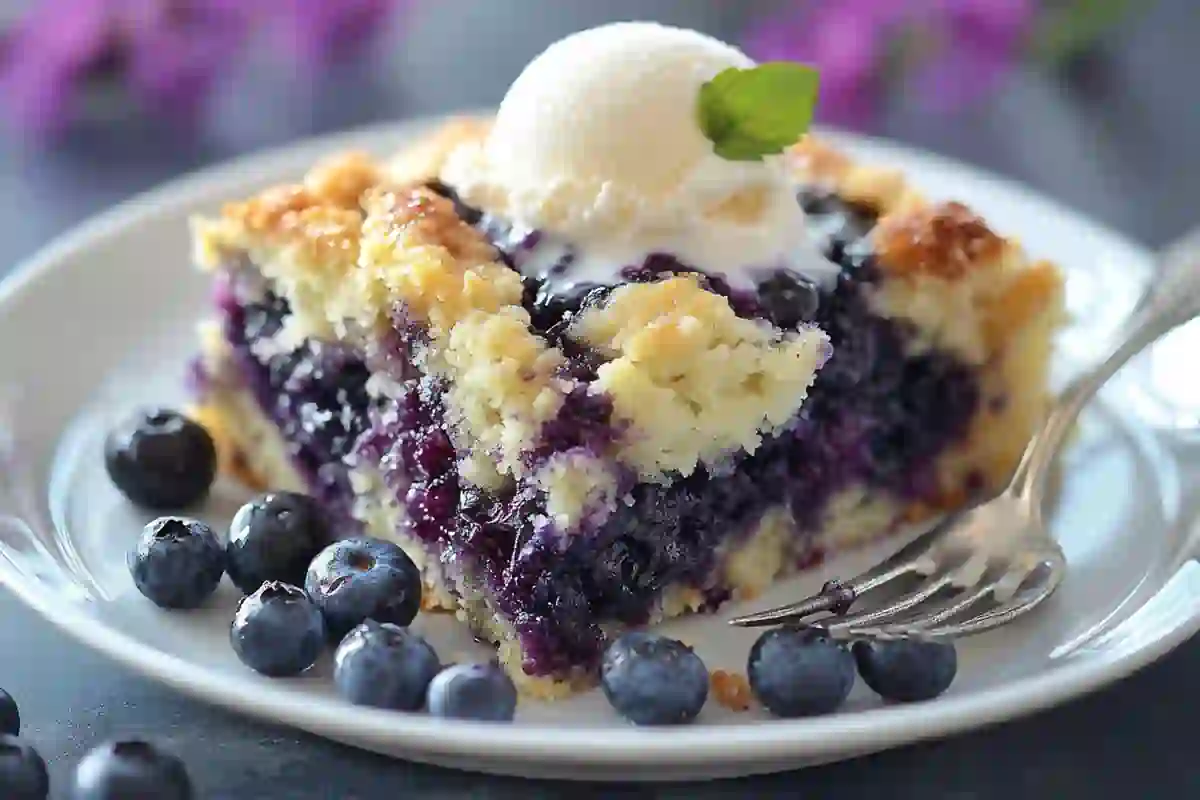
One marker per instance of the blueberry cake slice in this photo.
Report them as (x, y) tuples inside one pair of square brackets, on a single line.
[(564, 463)]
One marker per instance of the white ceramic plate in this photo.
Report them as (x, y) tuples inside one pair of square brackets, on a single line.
[(103, 320)]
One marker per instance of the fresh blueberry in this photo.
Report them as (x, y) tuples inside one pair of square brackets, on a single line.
[(384, 665), (363, 578), (788, 299), (10, 715), (906, 670), (131, 770), (23, 773), (177, 562), (473, 691), (277, 630), (800, 672), (653, 680), (161, 460), (274, 537)]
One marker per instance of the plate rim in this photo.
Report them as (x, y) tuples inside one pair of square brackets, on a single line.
[(755, 741)]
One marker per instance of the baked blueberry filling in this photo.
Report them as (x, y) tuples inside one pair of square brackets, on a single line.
[(316, 394), (876, 417)]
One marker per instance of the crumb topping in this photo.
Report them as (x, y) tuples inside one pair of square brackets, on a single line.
[(814, 161), (966, 288), (731, 690), (694, 380), (342, 180), (503, 386), (424, 160), (946, 241), (418, 253), (576, 483)]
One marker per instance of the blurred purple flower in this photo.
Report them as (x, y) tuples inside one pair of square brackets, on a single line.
[(961, 49), (315, 33), (977, 42), (170, 53)]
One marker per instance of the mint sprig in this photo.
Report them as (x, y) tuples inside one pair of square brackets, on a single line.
[(756, 112)]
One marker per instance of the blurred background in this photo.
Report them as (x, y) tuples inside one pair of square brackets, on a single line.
[(1092, 101)]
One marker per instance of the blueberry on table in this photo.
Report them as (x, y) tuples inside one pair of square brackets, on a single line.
[(23, 773), (277, 631), (799, 672), (907, 670), (363, 578), (383, 665), (10, 715), (131, 770), (652, 680), (274, 537), (161, 460), (177, 562), (473, 691)]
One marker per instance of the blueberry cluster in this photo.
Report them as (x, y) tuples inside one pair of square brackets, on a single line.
[(793, 672), (304, 589)]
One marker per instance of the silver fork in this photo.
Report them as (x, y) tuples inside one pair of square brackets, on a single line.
[(986, 566)]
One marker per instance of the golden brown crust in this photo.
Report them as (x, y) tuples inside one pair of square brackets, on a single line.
[(946, 241), (429, 219)]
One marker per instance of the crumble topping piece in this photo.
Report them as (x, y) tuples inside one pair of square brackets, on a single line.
[(503, 388), (967, 288), (947, 241), (417, 252), (731, 690), (884, 190), (694, 380), (424, 160)]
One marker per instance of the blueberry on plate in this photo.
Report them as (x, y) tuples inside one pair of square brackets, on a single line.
[(277, 630), (177, 562), (161, 460), (799, 672), (653, 680), (383, 665), (129, 770), (274, 537), (10, 715), (906, 670), (363, 578), (473, 691), (23, 773)]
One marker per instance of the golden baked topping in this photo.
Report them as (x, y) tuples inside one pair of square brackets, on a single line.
[(947, 240), (694, 380)]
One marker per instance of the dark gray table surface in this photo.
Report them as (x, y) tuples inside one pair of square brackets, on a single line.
[(1117, 140)]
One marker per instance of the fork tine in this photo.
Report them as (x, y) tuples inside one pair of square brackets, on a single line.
[(957, 606), (914, 557), (834, 597), (1015, 606), (905, 602)]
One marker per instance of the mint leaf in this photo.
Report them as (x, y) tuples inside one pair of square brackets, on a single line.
[(751, 113)]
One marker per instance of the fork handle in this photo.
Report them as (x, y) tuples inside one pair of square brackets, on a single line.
[(1172, 299)]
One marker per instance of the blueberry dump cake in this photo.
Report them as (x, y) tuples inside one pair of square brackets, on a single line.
[(599, 362)]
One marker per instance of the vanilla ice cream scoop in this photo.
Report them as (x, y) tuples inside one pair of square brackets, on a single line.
[(598, 143)]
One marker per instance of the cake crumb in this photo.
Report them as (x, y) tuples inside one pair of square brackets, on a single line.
[(732, 690)]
